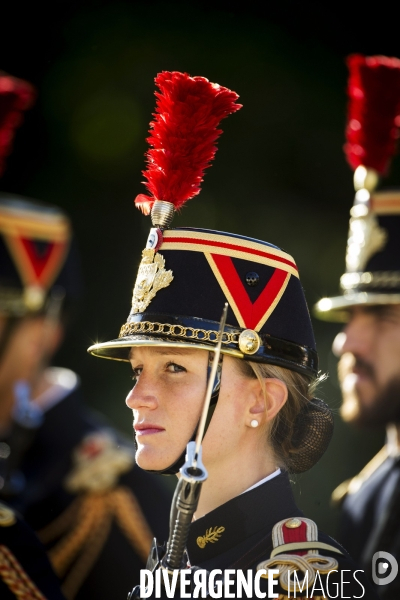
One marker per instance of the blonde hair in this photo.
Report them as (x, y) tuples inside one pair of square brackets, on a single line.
[(301, 389)]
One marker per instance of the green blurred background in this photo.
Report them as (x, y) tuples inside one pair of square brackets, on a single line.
[(279, 174)]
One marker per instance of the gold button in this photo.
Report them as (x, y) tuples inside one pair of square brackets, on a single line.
[(249, 341), (34, 297), (7, 516), (293, 523)]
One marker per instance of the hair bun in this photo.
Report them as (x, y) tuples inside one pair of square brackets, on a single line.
[(312, 433)]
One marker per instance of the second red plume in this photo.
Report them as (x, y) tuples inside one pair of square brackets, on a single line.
[(16, 95), (373, 111), (183, 136)]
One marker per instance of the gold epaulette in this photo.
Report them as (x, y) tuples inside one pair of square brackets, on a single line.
[(291, 557), (351, 486), (98, 463), (79, 534)]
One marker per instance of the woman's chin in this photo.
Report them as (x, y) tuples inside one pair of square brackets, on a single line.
[(150, 459)]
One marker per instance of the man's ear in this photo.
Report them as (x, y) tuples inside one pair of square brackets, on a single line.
[(268, 399)]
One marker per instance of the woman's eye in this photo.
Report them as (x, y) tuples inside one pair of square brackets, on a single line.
[(174, 368), (136, 372)]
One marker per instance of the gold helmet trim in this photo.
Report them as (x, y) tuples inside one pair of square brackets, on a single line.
[(337, 308), (117, 349)]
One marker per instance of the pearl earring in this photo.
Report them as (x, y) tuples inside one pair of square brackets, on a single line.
[(254, 423)]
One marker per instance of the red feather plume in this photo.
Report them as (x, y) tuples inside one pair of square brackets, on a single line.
[(183, 136), (373, 111), (16, 95)]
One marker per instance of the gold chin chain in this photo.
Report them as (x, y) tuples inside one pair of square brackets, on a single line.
[(202, 335)]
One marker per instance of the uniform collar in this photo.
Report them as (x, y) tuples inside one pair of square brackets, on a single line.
[(264, 480), (255, 511)]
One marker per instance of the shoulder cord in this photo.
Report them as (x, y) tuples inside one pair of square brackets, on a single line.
[(84, 528), (263, 547), (17, 580)]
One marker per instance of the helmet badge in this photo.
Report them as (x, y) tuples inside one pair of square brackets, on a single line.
[(152, 277)]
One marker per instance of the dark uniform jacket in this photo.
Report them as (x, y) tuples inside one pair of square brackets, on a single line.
[(93, 509), (25, 571), (370, 520), (239, 535)]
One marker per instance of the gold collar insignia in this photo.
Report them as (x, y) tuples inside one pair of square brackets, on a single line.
[(212, 535)]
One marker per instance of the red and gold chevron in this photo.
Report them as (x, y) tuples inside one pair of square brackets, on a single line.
[(219, 249), (250, 315), (38, 246)]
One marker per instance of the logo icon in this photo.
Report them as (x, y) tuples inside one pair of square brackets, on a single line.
[(384, 568)]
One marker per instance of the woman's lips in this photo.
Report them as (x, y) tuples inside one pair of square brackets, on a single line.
[(147, 429)]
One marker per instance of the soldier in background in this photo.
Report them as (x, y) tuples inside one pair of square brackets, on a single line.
[(67, 472), (63, 468), (369, 346), (25, 571)]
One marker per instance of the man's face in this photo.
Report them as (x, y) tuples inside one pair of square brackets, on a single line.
[(27, 351), (24, 348), (369, 367)]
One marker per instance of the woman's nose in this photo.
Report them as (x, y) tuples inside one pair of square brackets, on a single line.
[(141, 395)]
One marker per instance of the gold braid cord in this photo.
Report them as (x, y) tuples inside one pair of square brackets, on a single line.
[(132, 522), (85, 526), (14, 576), (61, 524)]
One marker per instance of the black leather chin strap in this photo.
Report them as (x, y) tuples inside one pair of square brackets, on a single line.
[(174, 468)]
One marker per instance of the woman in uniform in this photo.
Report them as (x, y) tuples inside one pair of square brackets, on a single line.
[(264, 421)]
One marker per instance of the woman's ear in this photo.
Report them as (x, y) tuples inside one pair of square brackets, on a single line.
[(268, 402), (277, 394)]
